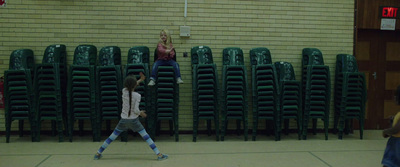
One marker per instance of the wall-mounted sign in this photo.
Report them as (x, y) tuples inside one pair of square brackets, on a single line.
[(389, 12), (388, 24)]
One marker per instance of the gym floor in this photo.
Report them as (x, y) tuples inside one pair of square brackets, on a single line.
[(206, 152)]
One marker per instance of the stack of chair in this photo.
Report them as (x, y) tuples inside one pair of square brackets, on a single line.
[(82, 90), (205, 89), (166, 99), (316, 90), (109, 86), (290, 96), (18, 91), (350, 95), (265, 90), (234, 91), (50, 93), (138, 62)]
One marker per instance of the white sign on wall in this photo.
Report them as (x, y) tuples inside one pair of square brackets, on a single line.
[(388, 24), (3, 3)]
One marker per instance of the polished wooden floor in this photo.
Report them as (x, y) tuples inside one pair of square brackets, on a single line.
[(206, 152)]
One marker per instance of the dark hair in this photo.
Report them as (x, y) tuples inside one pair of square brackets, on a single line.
[(397, 94), (130, 84)]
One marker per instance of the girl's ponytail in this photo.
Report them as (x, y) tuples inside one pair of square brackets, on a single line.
[(130, 84)]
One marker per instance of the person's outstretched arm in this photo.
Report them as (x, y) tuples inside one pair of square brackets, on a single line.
[(391, 131)]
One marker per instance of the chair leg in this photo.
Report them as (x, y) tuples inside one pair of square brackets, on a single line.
[(53, 127), (246, 129), (124, 136), (224, 127), (38, 130), (8, 130), (216, 128), (176, 125), (238, 122), (255, 126), (171, 127), (21, 128), (361, 122), (71, 129), (305, 128), (299, 128), (60, 131), (80, 122), (195, 128), (314, 126), (108, 125), (326, 126), (341, 127), (209, 127), (286, 126), (335, 122), (275, 127)]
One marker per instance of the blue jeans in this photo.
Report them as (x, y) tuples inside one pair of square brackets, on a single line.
[(165, 63)]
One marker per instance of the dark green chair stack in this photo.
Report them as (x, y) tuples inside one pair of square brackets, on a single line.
[(350, 95), (290, 96), (82, 90), (18, 91), (234, 91), (265, 90), (58, 54), (109, 86), (138, 62), (204, 89), (316, 90), (166, 99), (50, 93)]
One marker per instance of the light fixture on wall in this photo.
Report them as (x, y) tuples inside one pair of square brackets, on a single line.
[(185, 30)]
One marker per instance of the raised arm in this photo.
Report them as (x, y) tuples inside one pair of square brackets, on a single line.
[(142, 78), (393, 130)]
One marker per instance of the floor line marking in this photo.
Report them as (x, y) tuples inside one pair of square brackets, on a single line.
[(43, 160), (320, 159)]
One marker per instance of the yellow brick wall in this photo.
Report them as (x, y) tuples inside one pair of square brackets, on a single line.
[(283, 26)]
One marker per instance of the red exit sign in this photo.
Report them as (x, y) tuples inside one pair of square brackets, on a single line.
[(389, 12)]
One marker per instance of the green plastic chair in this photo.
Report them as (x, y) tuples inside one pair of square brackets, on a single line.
[(260, 56), (48, 99), (109, 56), (138, 62), (55, 54), (204, 90), (265, 90), (22, 59), (85, 55), (81, 94), (201, 55), (290, 100), (350, 95), (164, 106), (19, 101), (316, 95), (109, 86), (234, 91), (312, 56), (138, 54)]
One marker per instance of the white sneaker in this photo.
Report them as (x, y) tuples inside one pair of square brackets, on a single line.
[(179, 80), (151, 83)]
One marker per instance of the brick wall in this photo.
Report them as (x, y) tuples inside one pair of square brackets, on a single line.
[(283, 26)]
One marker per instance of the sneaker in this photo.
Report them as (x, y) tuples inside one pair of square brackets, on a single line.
[(97, 156), (151, 83), (179, 80), (163, 157)]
